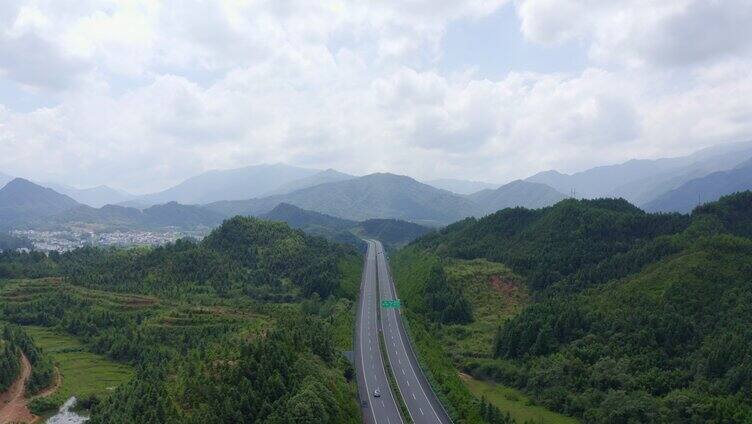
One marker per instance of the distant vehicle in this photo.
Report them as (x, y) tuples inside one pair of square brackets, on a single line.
[(377, 393)]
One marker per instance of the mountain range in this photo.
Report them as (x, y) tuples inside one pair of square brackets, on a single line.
[(385, 196), (702, 190), (668, 185), (641, 181), (355, 199), (24, 204), (367, 197), (231, 184)]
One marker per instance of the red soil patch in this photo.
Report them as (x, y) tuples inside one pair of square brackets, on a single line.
[(505, 287), (12, 403)]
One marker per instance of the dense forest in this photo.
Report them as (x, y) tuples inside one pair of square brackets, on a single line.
[(201, 319), (638, 317), (548, 244)]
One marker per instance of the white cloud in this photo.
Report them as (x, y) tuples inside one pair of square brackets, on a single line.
[(639, 32), (147, 93)]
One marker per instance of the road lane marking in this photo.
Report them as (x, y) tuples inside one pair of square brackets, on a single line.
[(393, 325), (421, 411)]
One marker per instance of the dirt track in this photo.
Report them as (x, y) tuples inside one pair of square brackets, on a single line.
[(12, 402)]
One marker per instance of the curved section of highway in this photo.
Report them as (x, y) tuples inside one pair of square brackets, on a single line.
[(371, 373), (423, 405)]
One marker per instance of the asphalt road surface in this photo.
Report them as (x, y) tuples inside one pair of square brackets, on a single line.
[(423, 405), (371, 374)]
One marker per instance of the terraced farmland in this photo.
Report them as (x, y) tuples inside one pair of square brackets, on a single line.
[(93, 336)]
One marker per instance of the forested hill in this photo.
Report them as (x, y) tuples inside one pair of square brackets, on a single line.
[(550, 243), (645, 318), (244, 255)]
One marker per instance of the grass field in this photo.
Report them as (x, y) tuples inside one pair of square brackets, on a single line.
[(83, 373), (514, 402)]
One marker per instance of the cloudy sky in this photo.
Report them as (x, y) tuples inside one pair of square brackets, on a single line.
[(142, 94)]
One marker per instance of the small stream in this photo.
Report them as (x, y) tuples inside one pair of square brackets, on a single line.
[(65, 415)]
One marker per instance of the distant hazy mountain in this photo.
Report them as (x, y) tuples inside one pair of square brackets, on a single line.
[(25, 204), (95, 196), (169, 215), (4, 179), (517, 193), (22, 200), (704, 162), (301, 218), (232, 184), (367, 197), (641, 180), (703, 190), (601, 181), (461, 186), (314, 223), (391, 232), (326, 176)]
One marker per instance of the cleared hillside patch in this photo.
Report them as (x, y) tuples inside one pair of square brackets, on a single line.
[(82, 372)]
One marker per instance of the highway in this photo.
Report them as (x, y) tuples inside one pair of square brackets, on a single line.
[(371, 374), (422, 404)]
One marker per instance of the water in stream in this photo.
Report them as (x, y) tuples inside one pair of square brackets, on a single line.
[(66, 416)]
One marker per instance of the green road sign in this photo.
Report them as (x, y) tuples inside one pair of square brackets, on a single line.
[(393, 304)]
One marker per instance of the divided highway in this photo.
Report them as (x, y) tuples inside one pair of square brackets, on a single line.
[(371, 372), (422, 404)]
